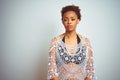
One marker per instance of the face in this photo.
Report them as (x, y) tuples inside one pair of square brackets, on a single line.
[(70, 21)]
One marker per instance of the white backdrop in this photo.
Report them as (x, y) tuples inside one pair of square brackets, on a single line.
[(27, 26)]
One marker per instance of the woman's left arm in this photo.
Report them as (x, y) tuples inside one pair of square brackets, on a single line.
[(90, 62)]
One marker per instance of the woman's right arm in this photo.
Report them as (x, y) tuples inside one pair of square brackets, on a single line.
[(52, 68)]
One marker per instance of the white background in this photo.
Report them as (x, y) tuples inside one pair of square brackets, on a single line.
[(28, 26)]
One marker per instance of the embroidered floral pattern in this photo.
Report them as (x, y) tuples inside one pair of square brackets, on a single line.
[(78, 58)]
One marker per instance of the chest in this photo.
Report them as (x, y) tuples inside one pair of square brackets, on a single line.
[(75, 55)]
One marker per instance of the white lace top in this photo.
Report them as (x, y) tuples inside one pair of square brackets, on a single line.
[(70, 63)]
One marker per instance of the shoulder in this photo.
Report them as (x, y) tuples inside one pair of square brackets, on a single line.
[(56, 39), (87, 40), (61, 36), (84, 38)]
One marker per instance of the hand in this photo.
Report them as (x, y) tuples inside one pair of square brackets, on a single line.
[(55, 78), (87, 78)]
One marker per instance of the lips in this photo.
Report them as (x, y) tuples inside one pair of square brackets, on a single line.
[(69, 26)]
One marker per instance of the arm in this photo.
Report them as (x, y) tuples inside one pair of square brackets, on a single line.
[(90, 62), (52, 68), (55, 78)]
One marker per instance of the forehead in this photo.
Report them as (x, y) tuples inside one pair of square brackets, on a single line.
[(69, 14)]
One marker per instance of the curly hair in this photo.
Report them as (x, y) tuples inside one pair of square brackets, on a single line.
[(71, 8)]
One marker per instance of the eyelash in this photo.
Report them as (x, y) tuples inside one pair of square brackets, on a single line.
[(71, 19), (65, 19)]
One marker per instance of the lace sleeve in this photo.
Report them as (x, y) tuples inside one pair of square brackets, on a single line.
[(52, 69), (90, 61)]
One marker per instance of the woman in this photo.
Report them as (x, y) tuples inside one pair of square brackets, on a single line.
[(70, 55)]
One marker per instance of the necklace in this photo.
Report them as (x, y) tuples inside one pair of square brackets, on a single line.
[(71, 49)]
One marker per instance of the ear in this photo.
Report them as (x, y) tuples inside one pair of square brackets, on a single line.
[(62, 20), (78, 21)]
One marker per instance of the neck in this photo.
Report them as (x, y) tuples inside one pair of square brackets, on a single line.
[(70, 34)]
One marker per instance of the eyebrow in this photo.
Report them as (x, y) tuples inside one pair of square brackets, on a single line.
[(70, 17)]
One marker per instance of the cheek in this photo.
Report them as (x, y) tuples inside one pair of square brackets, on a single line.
[(76, 22), (64, 23)]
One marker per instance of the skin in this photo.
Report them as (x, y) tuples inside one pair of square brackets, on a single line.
[(55, 78), (70, 22)]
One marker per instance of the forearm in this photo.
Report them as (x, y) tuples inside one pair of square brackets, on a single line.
[(55, 78), (87, 78)]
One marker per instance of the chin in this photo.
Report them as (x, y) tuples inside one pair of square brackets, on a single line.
[(70, 30)]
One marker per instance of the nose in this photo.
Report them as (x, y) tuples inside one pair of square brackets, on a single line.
[(69, 21)]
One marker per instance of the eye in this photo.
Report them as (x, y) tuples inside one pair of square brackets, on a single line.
[(65, 20), (72, 19)]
